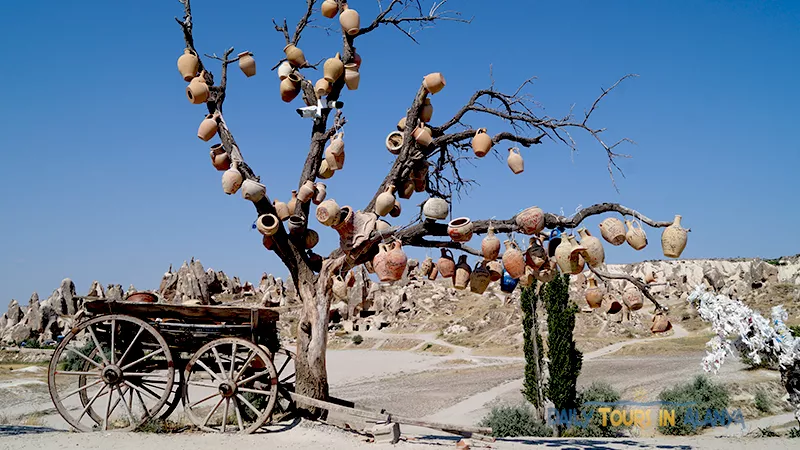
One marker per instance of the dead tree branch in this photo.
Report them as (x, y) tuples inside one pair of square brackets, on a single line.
[(418, 21), (643, 287)]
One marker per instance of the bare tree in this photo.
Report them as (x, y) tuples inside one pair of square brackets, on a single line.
[(437, 163)]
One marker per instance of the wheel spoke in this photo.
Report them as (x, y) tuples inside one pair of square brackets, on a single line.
[(247, 362), (287, 378), (130, 346), (255, 391), (213, 410), (145, 357), (80, 388), (203, 400), (219, 361), (197, 383), (70, 372), (141, 390), (89, 403), (225, 413), (238, 414), (97, 344), (127, 408), (209, 371), (113, 333), (252, 377), (233, 360), (249, 405), (70, 349), (156, 396), (108, 408)]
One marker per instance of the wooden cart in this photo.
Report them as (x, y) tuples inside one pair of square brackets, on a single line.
[(124, 363)]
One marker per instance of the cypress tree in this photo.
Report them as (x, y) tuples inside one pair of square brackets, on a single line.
[(564, 358), (533, 384)]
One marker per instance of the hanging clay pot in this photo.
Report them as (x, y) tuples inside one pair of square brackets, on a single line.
[(281, 209), (314, 262), (267, 224), (568, 255), (296, 225), (613, 231), (433, 82), (188, 64), (220, 158), (650, 277), (394, 142), (231, 180), (434, 273), (207, 128), (321, 192), (635, 236), (322, 88), (292, 204), (333, 69), (356, 59), (385, 201), (407, 189), (495, 269), (610, 305), (508, 283), (351, 76), (382, 225), (253, 190), (345, 225), (284, 70), (446, 264), (673, 239), (197, 91), (325, 170), (334, 154), (513, 260), (460, 229), (426, 266), (490, 245), (595, 254), (349, 20), (379, 263), (426, 113), (290, 87), (632, 298), (311, 239), (329, 8), (515, 162), (479, 278), (530, 220), (547, 272), (535, 254), (481, 143), (419, 175), (527, 278), (339, 288), (401, 124), (435, 208), (661, 323), (294, 55), (422, 135), (328, 212), (268, 242), (463, 272), (306, 192), (594, 294), (247, 64), (396, 261), (396, 209)]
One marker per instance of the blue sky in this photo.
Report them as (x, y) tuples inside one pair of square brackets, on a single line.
[(104, 178)]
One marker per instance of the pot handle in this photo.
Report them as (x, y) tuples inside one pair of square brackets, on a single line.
[(448, 252), (479, 131)]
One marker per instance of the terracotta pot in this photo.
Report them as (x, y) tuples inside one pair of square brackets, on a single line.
[(661, 323), (426, 266), (396, 261), (407, 189), (527, 278), (321, 192), (322, 88), (513, 261), (568, 256), (247, 64), (446, 264), (314, 262), (267, 224), (396, 209), (306, 192), (220, 158), (281, 209), (495, 269), (350, 279), (292, 204), (530, 220), (351, 76), (349, 20), (142, 297), (650, 277), (401, 124), (595, 255), (673, 239), (433, 82), (311, 239), (379, 262), (268, 242), (610, 305), (546, 273), (329, 9), (334, 154), (385, 201), (328, 212), (535, 254), (508, 283), (197, 90), (207, 128), (290, 87), (333, 69), (463, 272), (594, 294), (481, 143), (480, 278), (394, 142), (435, 208), (339, 288), (460, 229), (613, 231), (515, 162), (490, 245), (356, 59), (345, 225), (188, 64), (284, 70), (294, 55), (632, 298), (422, 135), (232, 180), (426, 114), (296, 225), (253, 190), (635, 236), (325, 170), (434, 273), (419, 175), (382, 225)]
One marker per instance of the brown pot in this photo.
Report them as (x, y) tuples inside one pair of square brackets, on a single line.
[(594, 294), (460, 229), (188, 64), (433, 82), (434, 273), (292, 204), (197, 91), (661, 323), (535, 254), (480, 278), (401, 124), (495, 269), (322, 87), (568, 255), (329, 8), (142, 297), (328, 212), (253, 190), (481, 143), (296, 225), (422, 135), (426, 114), (284, 70), (396, 261), (490, 245), (611, 305), (325, 170), (268, 242), (281, 209), (446, 264), (613, 231), (595, 255), (356, 59), (290, 87), (513, 261), (349, 20), (220, 158), (339, 288), (426, 266), (515, 162), (321, 191), (334, 154), (407, 189), (527, 278), (207, 128), (546, 273), (435, 208), (385, 201), (530, 220), (419, 175), (463, 272), (232, 180), (333, 69), (294, 55), (635, 236), (379, 262), (650, 277), (267, 224), (351, 76), (345, 225), (632, 298), (382, 225), (306, 192), (673, 239), (247, 64), (396, 209), (311, 239), (394, 142)]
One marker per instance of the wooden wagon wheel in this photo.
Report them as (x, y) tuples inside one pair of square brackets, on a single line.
[(108, 356), (231, 386), (284, 364)]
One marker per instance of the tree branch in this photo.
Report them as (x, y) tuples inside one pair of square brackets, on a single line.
[(435, 14), (643, 287)]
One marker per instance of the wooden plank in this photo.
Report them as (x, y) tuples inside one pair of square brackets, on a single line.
[(207, 313)]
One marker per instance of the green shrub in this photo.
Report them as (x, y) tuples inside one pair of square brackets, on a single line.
[(762, 401), (515, 421), (73, 362), (162, 426), (703, 393), (598, 391), (795, 329), (30, 343), (357, 339), (794, 432)]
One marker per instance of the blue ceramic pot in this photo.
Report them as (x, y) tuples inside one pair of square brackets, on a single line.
[(507, 284)]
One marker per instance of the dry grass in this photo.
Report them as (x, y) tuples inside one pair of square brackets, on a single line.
[(398, 344), (678, 346), (456, 362), (435, 349)]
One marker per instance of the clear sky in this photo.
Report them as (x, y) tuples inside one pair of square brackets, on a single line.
[(103, 176)]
